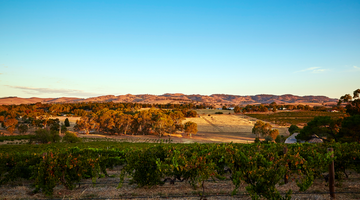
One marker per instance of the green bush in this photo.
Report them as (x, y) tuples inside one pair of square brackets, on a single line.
[(45, 136), (280, 139), (142, 166), (269, 139), (219, 113), (293, 128), (71, 138), (63, 129)]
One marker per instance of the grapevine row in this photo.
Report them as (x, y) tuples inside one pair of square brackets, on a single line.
[(260, 166)]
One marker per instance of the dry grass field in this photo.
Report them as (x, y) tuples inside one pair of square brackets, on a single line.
[(227, 127)]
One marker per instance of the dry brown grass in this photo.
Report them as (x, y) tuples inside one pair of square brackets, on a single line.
[(217, 123)]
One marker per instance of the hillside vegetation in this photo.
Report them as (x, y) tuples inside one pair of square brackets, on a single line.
[(297, 118)]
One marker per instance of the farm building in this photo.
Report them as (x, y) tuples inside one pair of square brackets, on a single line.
[(315, 139), (291, 139)]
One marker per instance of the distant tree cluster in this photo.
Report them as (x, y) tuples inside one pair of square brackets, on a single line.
[(152, 121), (274, 107), (108, 117)]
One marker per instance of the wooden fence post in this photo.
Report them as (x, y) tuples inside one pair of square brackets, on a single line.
[(286, 174), (331, 175)]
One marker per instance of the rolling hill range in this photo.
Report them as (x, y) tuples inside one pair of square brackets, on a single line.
[(180, 98)]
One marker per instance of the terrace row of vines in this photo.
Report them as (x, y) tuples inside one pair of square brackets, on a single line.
[(260, 166)]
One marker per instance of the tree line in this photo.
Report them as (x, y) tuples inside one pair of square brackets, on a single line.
[(111, 118), (144, 122), (275, 107)]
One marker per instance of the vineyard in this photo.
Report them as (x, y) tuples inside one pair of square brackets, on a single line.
[(296, 118), (14, 137), (260, 167)]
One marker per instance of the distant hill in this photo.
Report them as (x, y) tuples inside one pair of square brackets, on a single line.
[(176, 98)]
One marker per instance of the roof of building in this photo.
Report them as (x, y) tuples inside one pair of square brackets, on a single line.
[(291, 139), (315, 139)]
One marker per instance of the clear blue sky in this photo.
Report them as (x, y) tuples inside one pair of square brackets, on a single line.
[(90, 48)]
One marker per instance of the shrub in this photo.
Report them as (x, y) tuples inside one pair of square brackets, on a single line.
[(55, 127), (45, 136), (23, 128), (71, 138), (269, 139), (218, 112), (293, 128), (191, 113), (67, 123), (63, 129), (280, 139), (142, 166)]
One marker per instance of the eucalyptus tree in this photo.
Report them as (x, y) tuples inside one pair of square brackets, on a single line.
[(142, 122), (126, 120), (323, 126), (22, 128), (85, 124), (353, 102), (10, 124), (237, 109), (263, 129), (190, 128), (160, 123), (177, 118)]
